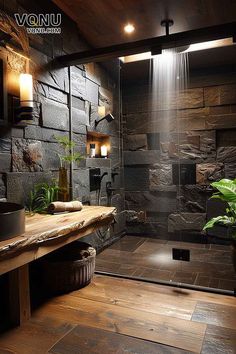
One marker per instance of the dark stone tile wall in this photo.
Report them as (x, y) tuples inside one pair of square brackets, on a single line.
[(171, 157), (29, 155)]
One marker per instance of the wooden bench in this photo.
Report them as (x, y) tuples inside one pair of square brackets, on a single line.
[(44, 234)]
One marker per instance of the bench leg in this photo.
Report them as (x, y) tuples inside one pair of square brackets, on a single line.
[(19, 295)]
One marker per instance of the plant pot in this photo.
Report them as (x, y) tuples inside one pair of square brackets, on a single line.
[(69, 268), (63, 193)]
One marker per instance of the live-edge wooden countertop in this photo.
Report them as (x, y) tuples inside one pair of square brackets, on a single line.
[(45, 233)]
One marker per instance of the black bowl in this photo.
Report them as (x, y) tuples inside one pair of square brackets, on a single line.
[(12, 220)]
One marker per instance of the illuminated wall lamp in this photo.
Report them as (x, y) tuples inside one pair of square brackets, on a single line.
[(24, 106)]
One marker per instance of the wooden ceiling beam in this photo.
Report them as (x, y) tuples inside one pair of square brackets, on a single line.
[(145, 45)]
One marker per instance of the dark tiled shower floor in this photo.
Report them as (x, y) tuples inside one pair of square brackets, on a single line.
[(210, 265)]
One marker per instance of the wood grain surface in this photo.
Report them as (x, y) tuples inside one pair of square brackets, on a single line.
[(119, 311), (46, 233)]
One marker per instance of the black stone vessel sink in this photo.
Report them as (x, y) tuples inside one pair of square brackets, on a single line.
[(12, 220)]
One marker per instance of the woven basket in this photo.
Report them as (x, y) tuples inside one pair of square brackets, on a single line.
[(69, 268)]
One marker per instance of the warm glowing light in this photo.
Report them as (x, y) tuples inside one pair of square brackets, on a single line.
[(26, 90), (129, 28), (136, 57), (101, 111), (104, 151), (192, 48), (210, 44)]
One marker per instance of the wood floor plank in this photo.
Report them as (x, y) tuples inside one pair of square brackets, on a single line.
[(132, 295), (219, 340), (163, 290), (34, 337), (96, 341), (215, 314), (166, 330)]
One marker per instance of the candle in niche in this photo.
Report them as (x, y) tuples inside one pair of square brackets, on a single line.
[(26, 90), (104, 151)]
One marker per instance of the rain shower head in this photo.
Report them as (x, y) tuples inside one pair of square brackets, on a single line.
[(109, 118), (167, 23)]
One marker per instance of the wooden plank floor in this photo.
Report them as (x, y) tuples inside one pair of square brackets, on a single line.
[(111, 311)]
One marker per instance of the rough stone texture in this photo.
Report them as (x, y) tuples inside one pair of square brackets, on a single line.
[(192, 119), (135, 142), (78, 82), (133, 216), (2, 186), (33, 149), (142, 101), (55, 115), (186, 221), (193, 198), (81, 185), (106, 99), (19, 185), (230, 170), (27, 155), (151, 201), (187, 134), (46, 91), (58, 78), (141, 157), (92, 92), (50, 156), (136, 178), (221, 121), (98, 162), (226, 154), (220, 95), (43, 134), (207, 173), (147, 122), (199, 146), (5, 162), (80, 141), (160, 174), (5, 145)]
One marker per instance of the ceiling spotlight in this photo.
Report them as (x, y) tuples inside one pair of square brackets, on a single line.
[(129, 28)]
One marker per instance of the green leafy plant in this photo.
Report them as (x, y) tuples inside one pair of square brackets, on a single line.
[(226, 191), (41, 196), (68, 146)]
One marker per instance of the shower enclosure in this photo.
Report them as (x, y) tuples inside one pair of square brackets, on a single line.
[(176, 113)]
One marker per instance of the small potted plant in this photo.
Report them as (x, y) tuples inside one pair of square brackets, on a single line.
[(42, 195), (226, 191), (68, 158)]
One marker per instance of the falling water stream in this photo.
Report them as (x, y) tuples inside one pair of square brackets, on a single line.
[(169, 80)]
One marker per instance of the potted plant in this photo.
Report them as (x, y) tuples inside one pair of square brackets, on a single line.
[(42, 195), (68, 158), (226, 191)]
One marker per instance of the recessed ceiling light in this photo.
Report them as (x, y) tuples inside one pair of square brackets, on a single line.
[(129, 28)]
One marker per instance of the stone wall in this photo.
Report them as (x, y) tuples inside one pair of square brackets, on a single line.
[(172, 157), (29, 155)]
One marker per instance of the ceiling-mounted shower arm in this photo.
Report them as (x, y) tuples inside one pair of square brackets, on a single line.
[(167, 23)]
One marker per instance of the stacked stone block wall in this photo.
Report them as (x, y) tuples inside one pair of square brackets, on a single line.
[(29, 155), (171, 157)]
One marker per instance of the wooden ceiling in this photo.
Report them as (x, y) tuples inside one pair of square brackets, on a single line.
[(101, 22)]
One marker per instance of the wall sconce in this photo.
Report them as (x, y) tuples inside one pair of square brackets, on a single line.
[(104, 151), (109, 118), (24, 109)]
